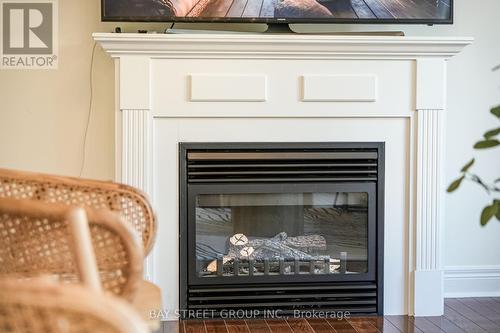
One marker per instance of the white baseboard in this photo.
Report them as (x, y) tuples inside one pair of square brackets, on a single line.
[(472, 281)]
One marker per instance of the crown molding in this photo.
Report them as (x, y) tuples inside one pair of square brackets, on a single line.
[(264, 46)]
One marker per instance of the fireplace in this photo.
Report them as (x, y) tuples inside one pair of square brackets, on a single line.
[(282, 226), (174, 88)]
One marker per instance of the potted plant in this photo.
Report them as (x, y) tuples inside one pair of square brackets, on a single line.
[(490, 140)]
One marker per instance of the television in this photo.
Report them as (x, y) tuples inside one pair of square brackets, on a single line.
[(280, 11)]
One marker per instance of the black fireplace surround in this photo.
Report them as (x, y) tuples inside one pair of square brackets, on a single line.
[(288, 227)]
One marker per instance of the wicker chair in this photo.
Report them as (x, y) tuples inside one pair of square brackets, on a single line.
[(132, 206), (45, 306), (127, 201), (35, 240)]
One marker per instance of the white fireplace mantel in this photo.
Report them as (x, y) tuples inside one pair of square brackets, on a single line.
[(254, 87), (278, 46)]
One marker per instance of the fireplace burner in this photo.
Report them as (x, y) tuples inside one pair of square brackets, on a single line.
[(281, 226)]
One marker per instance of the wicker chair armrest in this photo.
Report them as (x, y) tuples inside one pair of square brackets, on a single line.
[(130, 203), (43, 305), (35, 240)]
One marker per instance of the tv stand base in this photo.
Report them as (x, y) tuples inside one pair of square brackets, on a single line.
[(284, 28), (279, 28)]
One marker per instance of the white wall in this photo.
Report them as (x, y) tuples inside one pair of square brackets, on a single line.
[(43, 116), (43, 112)]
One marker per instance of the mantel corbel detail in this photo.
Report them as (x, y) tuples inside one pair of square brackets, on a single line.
[(430, 106), (135, 138)]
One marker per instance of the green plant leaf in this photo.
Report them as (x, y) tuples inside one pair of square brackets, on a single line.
[(479, 181), (496, 111), (486, 144), (487, 213), (497, 215), (467, 166), (455, 184), (492, 133)]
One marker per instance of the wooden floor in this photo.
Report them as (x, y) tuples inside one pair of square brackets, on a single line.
[(468, 315), (351, 9)]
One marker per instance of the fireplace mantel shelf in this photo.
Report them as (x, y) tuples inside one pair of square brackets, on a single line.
[(263, 46)]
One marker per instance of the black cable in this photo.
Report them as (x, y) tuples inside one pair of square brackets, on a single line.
[(91, 99), (171, 26)]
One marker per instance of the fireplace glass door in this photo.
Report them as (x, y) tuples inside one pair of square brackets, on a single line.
[(281, 232)]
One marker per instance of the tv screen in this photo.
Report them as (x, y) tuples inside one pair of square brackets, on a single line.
[(281, 11)]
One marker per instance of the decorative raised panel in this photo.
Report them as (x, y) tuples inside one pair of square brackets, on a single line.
[(228, 88), (431, 84), (339, 88), (136, 158), (428, 282), (134, 85), (261, 46)]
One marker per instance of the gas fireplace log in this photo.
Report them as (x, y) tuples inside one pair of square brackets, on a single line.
[(278, 246), (274, 251), (310, 241)]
